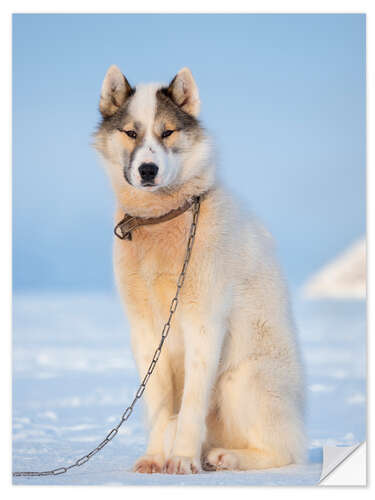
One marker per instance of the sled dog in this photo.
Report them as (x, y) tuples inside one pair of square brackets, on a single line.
[(227, 392)]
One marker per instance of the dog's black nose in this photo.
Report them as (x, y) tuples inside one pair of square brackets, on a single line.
[(148, 172)]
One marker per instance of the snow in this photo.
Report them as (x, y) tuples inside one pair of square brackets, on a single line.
[(74, 375), (344, 277)]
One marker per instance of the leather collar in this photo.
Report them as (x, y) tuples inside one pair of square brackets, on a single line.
[(128, 223)]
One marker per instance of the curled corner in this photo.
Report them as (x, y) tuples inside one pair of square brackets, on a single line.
[(333, 456)]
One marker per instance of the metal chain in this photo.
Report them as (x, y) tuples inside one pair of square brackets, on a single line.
[(142, 386)]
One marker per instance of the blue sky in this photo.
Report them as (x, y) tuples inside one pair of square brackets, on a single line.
[(283, 96)]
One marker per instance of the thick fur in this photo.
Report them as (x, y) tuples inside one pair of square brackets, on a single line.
[(227, 392)]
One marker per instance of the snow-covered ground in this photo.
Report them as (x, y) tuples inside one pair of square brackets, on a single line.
[(74, 375)]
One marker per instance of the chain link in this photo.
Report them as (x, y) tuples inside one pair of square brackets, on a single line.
[(142, 386)]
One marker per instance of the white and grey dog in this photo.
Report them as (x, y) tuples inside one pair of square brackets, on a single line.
[(227, 392)]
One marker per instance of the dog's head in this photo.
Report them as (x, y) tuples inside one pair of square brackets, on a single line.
[(150, 134)]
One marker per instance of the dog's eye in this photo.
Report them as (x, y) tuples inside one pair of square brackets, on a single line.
[(167, 133), (131, 133)]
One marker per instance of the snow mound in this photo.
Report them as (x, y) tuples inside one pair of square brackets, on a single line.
[(342, 278)]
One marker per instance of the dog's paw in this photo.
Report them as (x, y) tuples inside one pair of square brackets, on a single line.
[(149, 464), (181, 465), (220, 459)]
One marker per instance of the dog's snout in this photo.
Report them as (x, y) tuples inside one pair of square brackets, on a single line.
[(148, 172)]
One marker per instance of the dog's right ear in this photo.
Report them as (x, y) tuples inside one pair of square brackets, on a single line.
[(184, 92), (115, 91)]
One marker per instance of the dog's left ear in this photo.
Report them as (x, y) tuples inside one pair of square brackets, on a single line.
[(115, 91), (184, 92)]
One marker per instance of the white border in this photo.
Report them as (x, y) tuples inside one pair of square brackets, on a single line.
[(95, 6), (192, 6)]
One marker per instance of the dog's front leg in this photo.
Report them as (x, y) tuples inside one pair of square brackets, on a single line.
[(158, 397), (203, 339)]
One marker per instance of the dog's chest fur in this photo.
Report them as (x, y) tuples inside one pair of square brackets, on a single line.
[(159, 251), (149, 266), (155, 256)]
